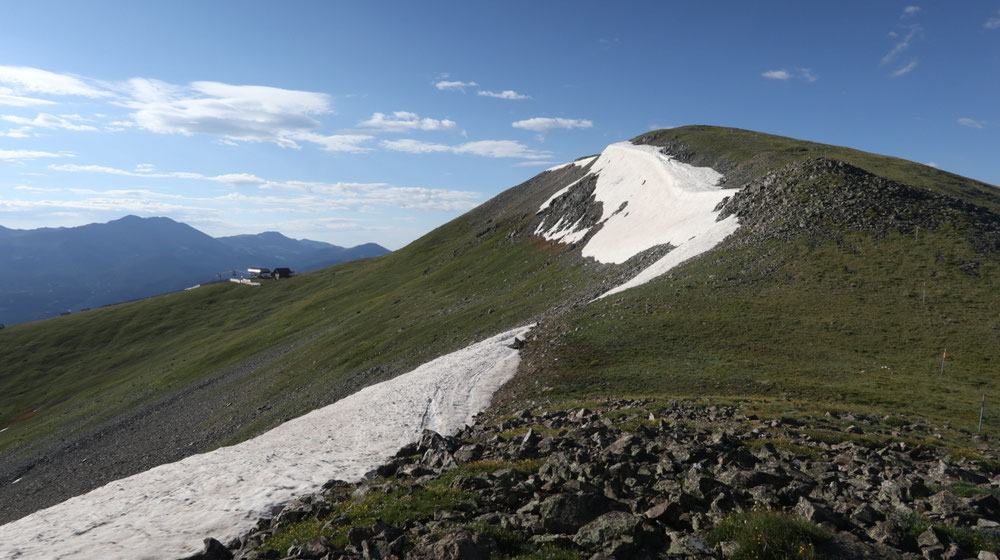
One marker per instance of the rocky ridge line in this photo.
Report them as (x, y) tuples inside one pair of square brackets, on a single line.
[(636, 481)]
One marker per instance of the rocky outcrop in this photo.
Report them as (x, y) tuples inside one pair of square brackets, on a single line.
[(653, 485), (824, 198)]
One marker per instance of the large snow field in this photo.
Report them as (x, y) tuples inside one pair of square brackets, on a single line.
[(665, 201), (165, 512)]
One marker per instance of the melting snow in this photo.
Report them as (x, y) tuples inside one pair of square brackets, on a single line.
[(582, 162), (665, 201), (166, 511)]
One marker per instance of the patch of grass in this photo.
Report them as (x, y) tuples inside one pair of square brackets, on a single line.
[(550, 552), (969, 490), (293, 535), (512, 545), (970, 540), (768, 534), (786, 444), (404, 502)]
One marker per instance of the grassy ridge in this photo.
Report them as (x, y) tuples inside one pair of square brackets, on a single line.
[(743, 154), (840, 324), (833, 325), (342, 327)]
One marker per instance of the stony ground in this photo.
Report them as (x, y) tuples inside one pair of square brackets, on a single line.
[(627, 479)]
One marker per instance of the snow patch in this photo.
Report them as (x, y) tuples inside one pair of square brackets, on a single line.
[(582, 162), (166, 511), (696, 246), (665, 201)]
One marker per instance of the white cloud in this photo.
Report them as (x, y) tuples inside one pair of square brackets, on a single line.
[(237, 113), (21, 155), (993, 22), (932, 164), (910, 11), (805, 73), (445, 85), (23, 79), (971, 123), (808, 75), (484, 148), (7, 97), (541, 124), (777, 74), (45, 120), (350, 143), (914, 32), (17, 132), (533, 163), (414, 146), (315, 196), (500, 149), (402, 121), (505, 94), (35, 189), (142, 204), (904, 69)]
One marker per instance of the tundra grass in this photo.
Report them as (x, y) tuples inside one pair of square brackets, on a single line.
[(835, 325), (747, 154), (334, 331)]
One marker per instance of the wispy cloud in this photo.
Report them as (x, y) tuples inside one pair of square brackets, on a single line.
[(777, 74), (484, 148), (910, 11), (21, 79), (7, 97), (456, 85), (808, 75), (505, 94), (17, 132), (239, 113), (913, 32), (971, 123), (905, 69), (803, 73), (22, 155), (46, 120), (311, 195), (542, 124), (993, 22), (351, 143), (137, 205), (403, 121)]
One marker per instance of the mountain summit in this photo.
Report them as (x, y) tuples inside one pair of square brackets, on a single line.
[(712, 263)]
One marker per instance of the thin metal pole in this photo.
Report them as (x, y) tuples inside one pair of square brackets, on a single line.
[(943, 356), (982, 409)]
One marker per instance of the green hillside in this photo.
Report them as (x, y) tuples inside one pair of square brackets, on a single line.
[(835, 314), (841, 290), (336, 330)]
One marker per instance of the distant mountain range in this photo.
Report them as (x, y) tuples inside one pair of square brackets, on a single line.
[(55, 270)]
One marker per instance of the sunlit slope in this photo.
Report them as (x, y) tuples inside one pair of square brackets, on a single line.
[(842, 288), (308, 340), (741, 155)]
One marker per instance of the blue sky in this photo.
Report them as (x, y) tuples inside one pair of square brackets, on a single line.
[(350, 122)]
